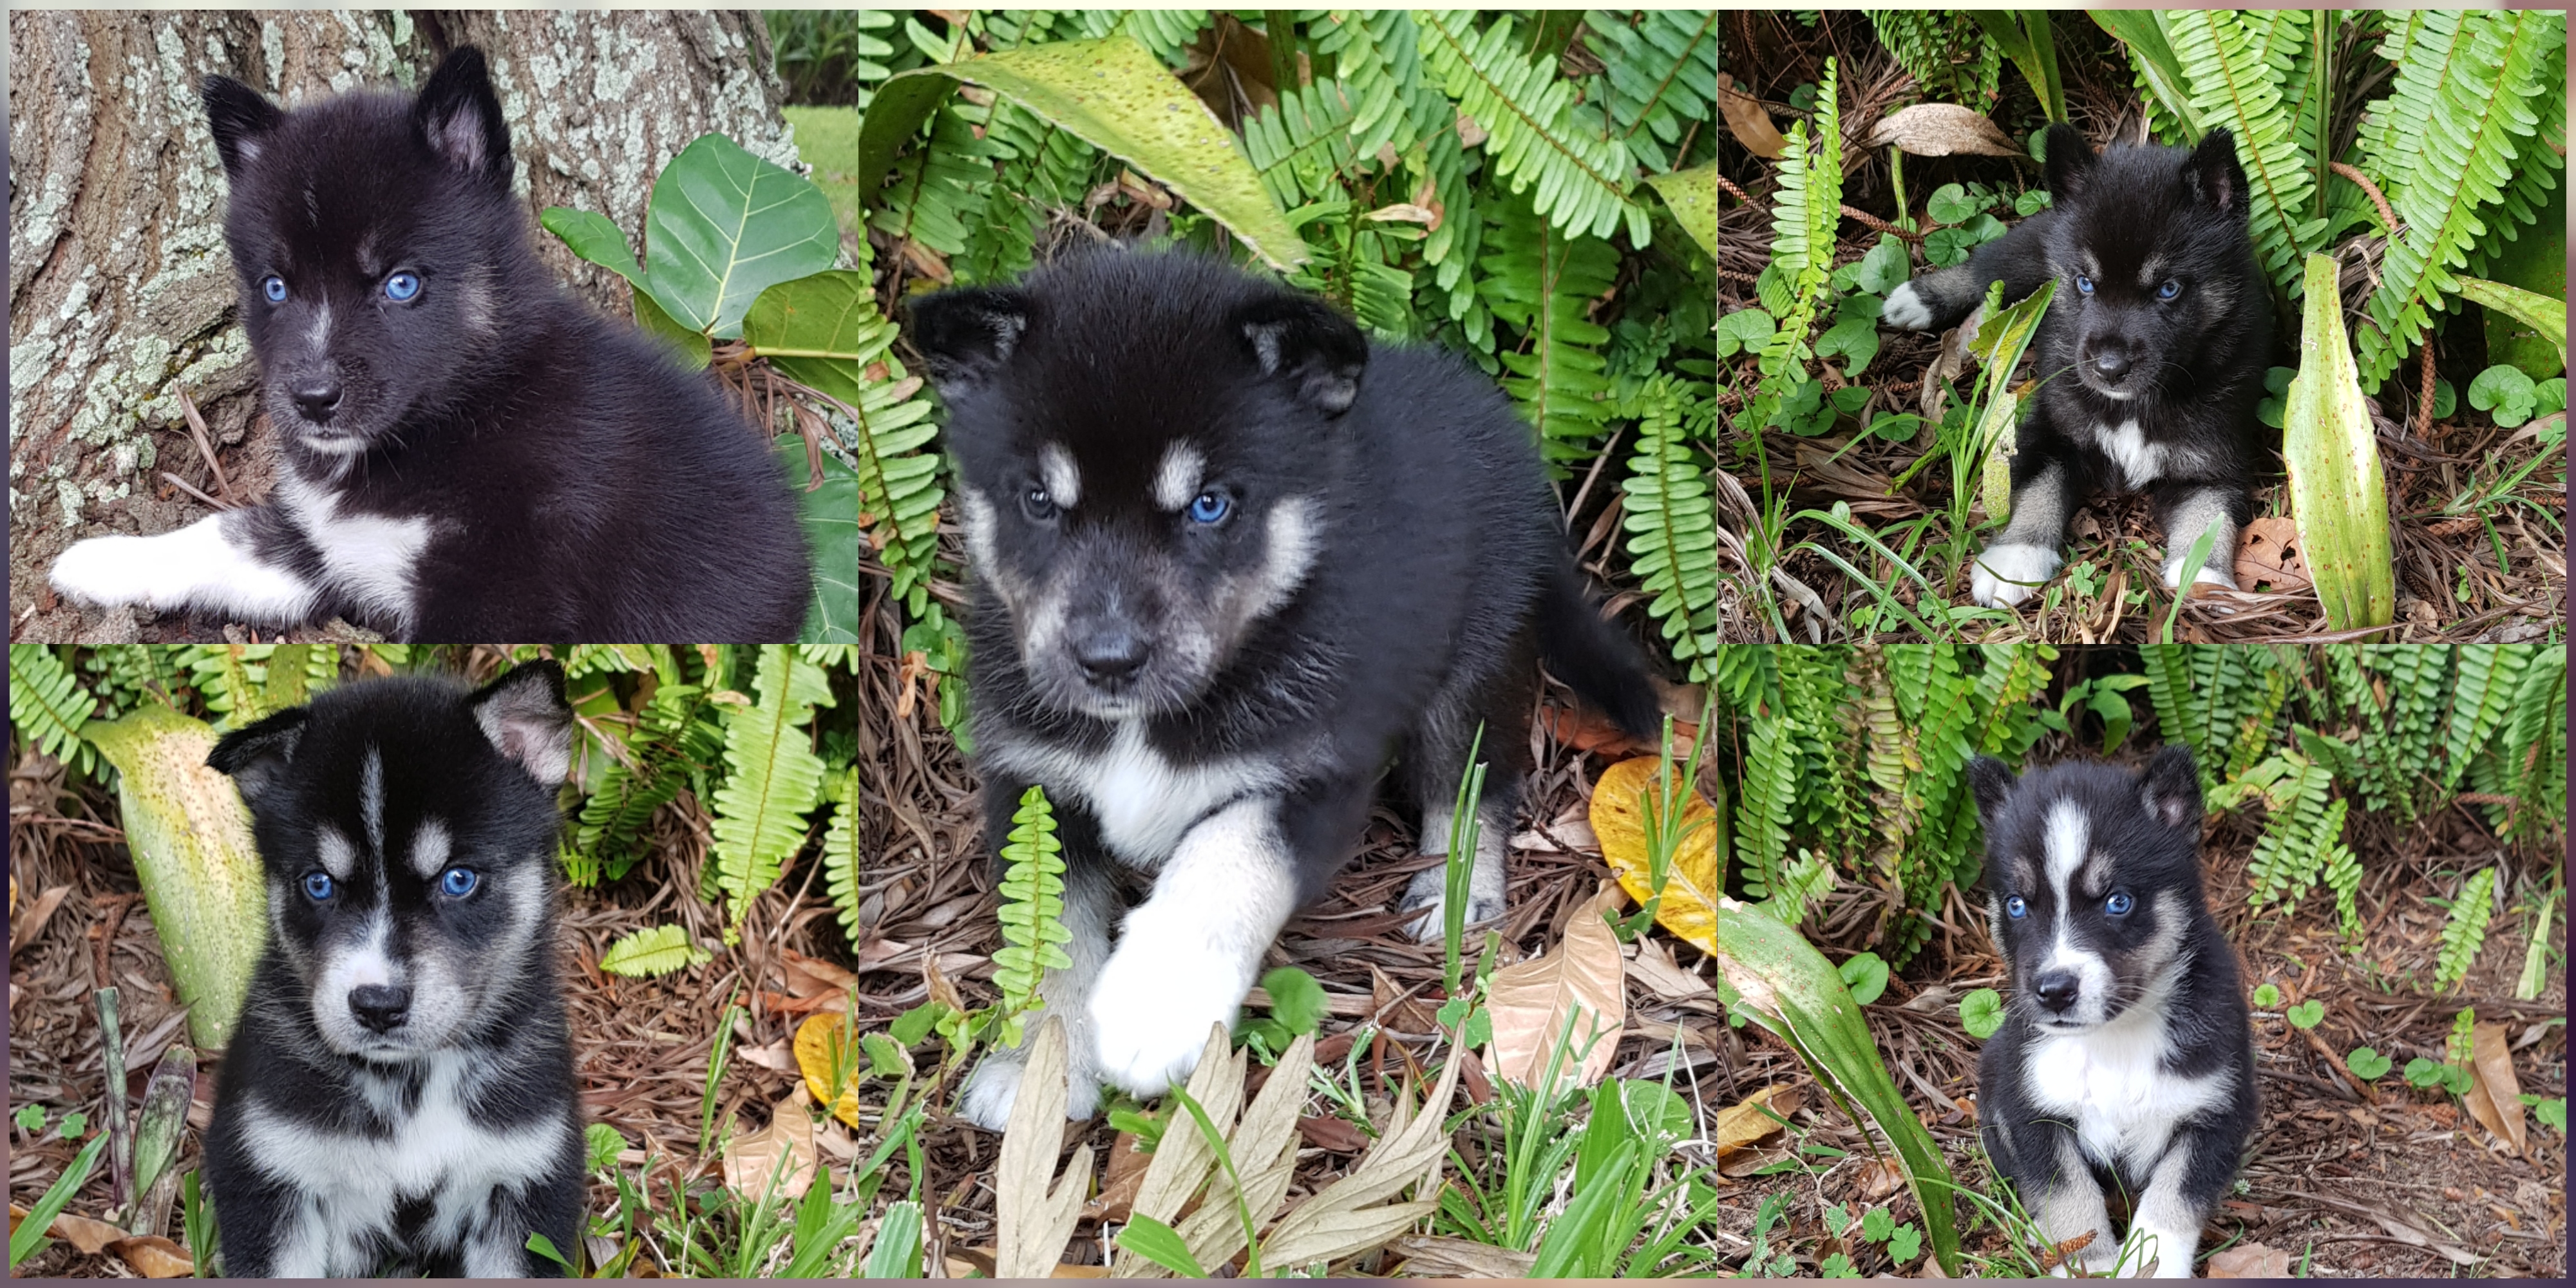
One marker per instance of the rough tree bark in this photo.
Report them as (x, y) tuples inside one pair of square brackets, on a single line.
[(121, 294)]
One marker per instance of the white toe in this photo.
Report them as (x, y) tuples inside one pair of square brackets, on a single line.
[(1153, 1004), (1905, 308), (2009, 573)]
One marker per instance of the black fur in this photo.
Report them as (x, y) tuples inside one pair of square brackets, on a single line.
[(2171, 970), (2127, 221), (1437, 572), (579, 485), (309, 1135)]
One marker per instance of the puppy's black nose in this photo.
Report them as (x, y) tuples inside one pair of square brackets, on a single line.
[(2112, 366), (380, 1007), (317, 397), (2056, 989), (1111, 656)]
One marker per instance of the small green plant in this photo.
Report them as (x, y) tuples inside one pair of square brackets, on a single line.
[(1032, 912), (2266, 996), (2307, 1014), (1866, 975), (2366, 1063), (1981, 1013), (1296, 1007), (2550, 1110)]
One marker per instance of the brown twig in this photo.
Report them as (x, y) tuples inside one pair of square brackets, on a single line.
[(1729, 185), (206, 446), (1881, 225)]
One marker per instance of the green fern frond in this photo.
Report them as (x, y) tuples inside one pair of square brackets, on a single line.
[(1671, 518), (2479, 111), (2460, 1047), (1301, 146), (2481, 701), (2237, 63), (1543, 282), (1533, 139), (48, 706), (1043, 168), (2465, 932), (1166, 32), (654, 950), (775, 779), (2343, 876), (1661, 69), (843, 869), (672, 736), (897, 464), (1032, 905), (939, 189), (610, 659), (1762, 808), (1950, 61), (1805, 209)]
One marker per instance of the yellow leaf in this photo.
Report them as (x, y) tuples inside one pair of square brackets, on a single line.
[(820, 1053), (1689, 907)]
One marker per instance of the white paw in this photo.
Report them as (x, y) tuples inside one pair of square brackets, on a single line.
[(1429, 895), (2011, 572), (109, 571), (2160, 1254), (1154, 1001), (1906, 308), (2210, 572), (994, 1087)]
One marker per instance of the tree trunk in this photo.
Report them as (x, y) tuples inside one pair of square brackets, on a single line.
[(121, 293)]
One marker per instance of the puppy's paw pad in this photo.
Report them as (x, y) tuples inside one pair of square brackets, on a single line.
[(2010, 573), (1907, 309)]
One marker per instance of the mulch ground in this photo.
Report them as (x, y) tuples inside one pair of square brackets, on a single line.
[(2400, 1184)]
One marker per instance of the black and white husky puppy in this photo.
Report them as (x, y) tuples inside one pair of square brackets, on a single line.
[(2126, 1056), (467, 452), (1229, 559), (399, 1092), (2151, 358)]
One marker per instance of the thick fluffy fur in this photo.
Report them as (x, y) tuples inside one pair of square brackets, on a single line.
[(399, 1091), (2139, 392), (1229, 558), (467, 452), (2126, 1057)]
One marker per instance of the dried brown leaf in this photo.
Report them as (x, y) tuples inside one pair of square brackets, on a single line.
[(2249, 1261), (2270, 556), (780, 1154), (1942, 129), (2495, 1094), (154, 1257), (1574, 996), (1746, 120), (1033, 1221), (1743, 1125), (1338, 1221), (1436, 1256), (85, 1234)]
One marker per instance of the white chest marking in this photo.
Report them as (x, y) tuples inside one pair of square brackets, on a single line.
[(352, 1184), (2110, 1084), (371, 557), (2139, 461), (1143, 801)]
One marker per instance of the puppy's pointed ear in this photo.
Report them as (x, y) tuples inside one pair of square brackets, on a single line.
[(1303, 342), (1991, 780), (458, 118), (2213, 173), (2172, 786), (966, 335), (2070, 163), (258, 756), (240, 118), (527, 719)]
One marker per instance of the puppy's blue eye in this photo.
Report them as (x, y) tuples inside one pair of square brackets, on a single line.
[(402, 286), (1210, 508), (317, 885), (2169, 290), (274, 287), (2083, 284), (458, 882), (2015, 908), (2118, 904)]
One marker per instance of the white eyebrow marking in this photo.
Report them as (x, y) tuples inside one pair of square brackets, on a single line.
[(339, 858), (1176, 484), (429, 847), (1063, 481)]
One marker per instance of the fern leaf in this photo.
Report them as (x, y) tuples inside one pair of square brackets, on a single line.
[(1671, 518), (1032, 905), (2479, 110), (1301, 146), (1950, 61), (1533, 139), (1660, 66), (1166, 32), (1762, 811), (940, 187), (1543, 282), (2236, 63), (2465, 932), (671, 736), (1043, 168), (2481, 700), (1805, 209), (842, 874), (2291, 854), (48, 706), (2343, 876), (654, 950), (775, 779)]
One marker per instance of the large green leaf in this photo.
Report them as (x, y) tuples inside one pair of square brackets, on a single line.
[(1116, 96), (724, 226), (2539, 312), (1692, 194), (2336, 492), (194, 857), (1774, 976), (594, 237), (830, 514)]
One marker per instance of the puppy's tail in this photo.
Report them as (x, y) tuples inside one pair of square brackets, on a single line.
[(1595, 657)]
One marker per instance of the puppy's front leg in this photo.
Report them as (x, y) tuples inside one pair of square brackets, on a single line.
[(496, 1247), (2185, 510), (2186, 1184), (2063, 1198), (2025, 554), (232, 563), (1190, 952)]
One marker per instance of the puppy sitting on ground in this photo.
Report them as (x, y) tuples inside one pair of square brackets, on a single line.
[(1229, 559), (399, 1093), (2126, 1055)]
